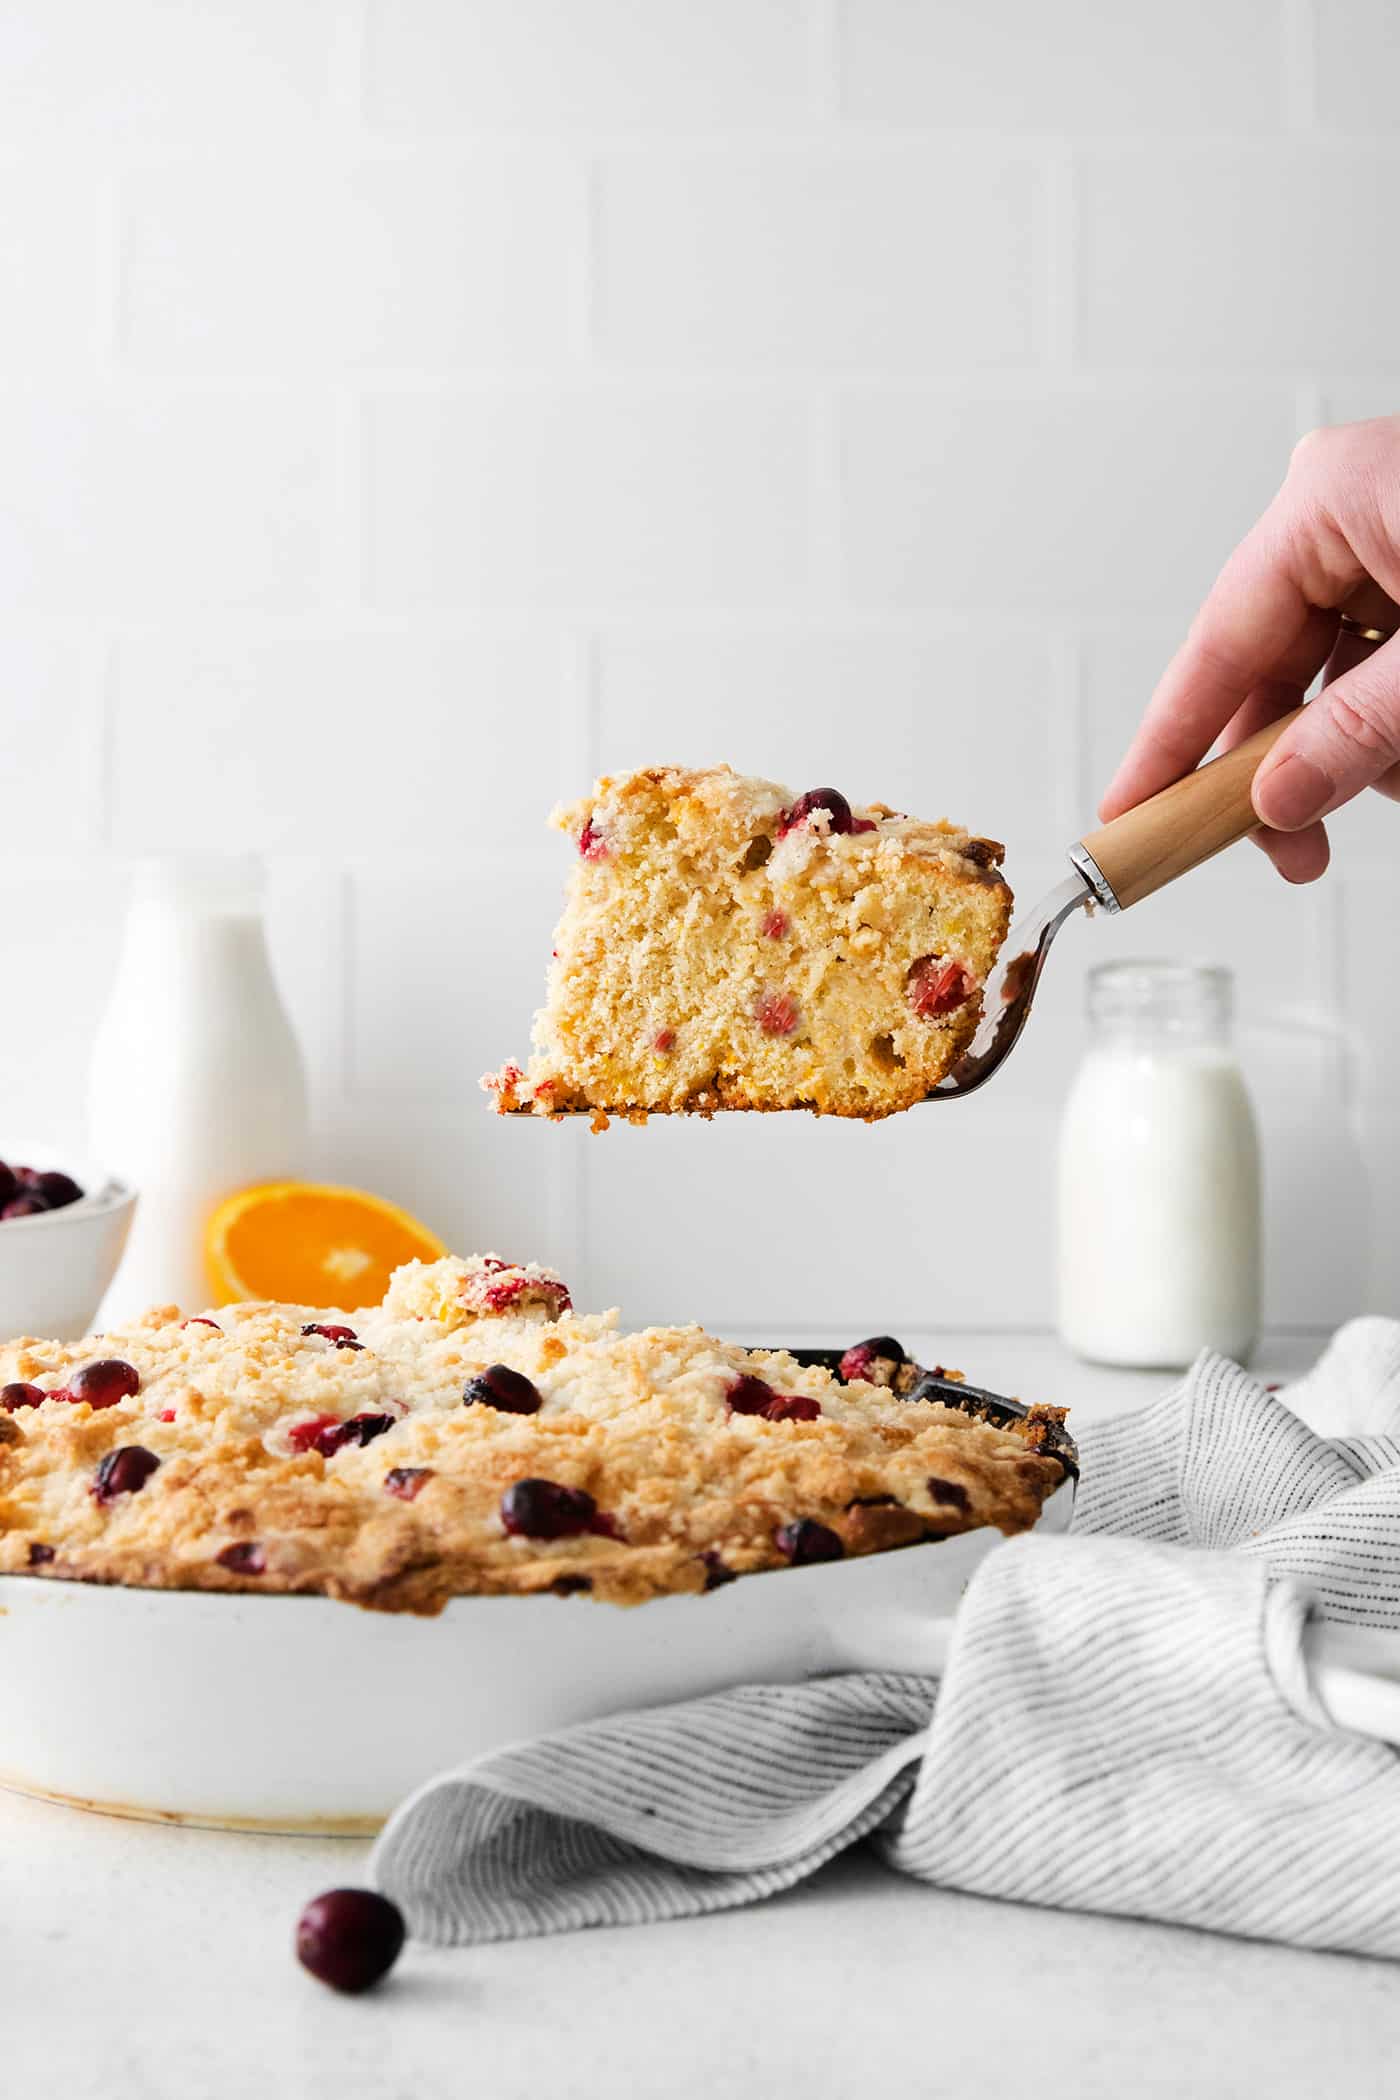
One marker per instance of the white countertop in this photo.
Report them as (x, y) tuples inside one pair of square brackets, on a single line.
[(144, 1963)]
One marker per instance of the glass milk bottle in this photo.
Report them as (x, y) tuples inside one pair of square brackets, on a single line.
[(196, 1086), (1159, 1228)]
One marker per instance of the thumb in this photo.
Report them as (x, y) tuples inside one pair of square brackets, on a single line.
[(1348, 737)]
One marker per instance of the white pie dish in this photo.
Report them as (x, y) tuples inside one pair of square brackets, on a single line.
[(302, 1714)]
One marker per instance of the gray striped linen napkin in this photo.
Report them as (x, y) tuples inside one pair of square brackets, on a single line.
[(1124, 1723)]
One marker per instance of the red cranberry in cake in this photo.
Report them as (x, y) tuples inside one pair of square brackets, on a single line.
[(746, 1395), (18, 1394), (541, 1509), (350, 1938), (407, 1482), (716, 1573), (875, 1360), (244, 1557), (510, 1392), (358, 1430), (571, 1585), (777, 1013), (513, 1289), (664, 1040), (591, 843), (938, 987), (199, 1320), (302, 1436), (104, 1383), (124, 1471), (343, 1337), (837, 808), (776, 926), (39, 1554), (948, 1493), (794, 1407), (807, 1541)]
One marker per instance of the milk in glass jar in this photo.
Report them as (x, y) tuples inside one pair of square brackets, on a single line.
[(1159, 1204)]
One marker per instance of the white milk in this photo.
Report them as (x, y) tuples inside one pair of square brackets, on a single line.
[(196, 1086), (1159, 1205)]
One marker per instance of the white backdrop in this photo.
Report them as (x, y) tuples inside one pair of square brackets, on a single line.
[(409, 407)]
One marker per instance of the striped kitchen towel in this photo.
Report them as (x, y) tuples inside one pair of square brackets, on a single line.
[(1124, 1724)]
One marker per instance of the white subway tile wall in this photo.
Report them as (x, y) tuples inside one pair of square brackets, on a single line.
[(412, 407)]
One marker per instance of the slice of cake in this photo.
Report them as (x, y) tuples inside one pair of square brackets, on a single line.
[(470, 1436), (727, 944)]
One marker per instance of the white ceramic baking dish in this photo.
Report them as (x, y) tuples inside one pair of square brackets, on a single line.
[(301, 1714)]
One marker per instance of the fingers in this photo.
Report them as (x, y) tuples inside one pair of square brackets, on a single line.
[(1348, 739), (1256, 626), (1299, 856)]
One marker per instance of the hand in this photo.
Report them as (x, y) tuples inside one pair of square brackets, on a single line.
[(1328, 543)]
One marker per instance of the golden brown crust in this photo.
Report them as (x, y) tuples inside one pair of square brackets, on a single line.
[(685, 1491), (723, 951)]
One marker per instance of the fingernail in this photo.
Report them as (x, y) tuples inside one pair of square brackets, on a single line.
[(1292, 793)]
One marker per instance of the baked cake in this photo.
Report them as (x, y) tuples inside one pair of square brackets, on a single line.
[(727, 944), (473, 1434)]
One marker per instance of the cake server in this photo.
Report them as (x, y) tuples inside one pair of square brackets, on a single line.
[(1114, 867)]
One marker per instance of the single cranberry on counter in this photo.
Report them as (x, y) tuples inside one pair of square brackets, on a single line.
[(807, 1541), (861, 1358), (17, 1394), (343, 1337), (244, 1557), (104, 1383), (350, 1938), (509, 1392), (407, 1482), (124, 1471), (541, 1509)]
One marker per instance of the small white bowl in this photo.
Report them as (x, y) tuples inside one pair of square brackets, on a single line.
[(55, 1268)]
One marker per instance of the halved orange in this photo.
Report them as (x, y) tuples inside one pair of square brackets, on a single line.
[(310, 1244)]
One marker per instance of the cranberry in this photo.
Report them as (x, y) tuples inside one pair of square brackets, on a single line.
[(9, 1182), (124, 1471), (349, 1938), (360, 1430), (591, 843), (571, 1585), (199, 1320), (838, 810), (716, 1573), (30, 1205), (40, 1556), (167, 1414), (58, 1190), (104, 1383), (949, 1493), (794, 1407), (244, 1557), (775, 926), (746, 1395), (541, 1509), (547, 1290), (343, 1337), (18, 1394), (938, 987), (776, 1013), (861, 1357), (500, 1387), (807, 1541), (664, 1039), (302, 1435), (407, 1482)]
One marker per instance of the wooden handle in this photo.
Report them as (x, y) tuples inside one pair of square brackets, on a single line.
[(1187, 823)]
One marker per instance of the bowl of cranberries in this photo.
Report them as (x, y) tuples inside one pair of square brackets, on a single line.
[(63, 1228)]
